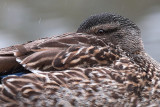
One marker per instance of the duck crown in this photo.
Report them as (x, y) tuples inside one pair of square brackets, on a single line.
[(106, 18)]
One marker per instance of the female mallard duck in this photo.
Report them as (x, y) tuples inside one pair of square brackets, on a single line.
[(102, 64)]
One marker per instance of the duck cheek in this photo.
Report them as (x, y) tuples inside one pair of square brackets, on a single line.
[(118, 36), (114, 40)]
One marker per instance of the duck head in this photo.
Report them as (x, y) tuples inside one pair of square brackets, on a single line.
[(115, 29)]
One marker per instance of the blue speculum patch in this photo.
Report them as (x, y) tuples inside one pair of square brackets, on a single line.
[(17, 74)]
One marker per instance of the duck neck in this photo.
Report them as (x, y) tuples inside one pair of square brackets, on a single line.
[(146, 61), (152, 61)]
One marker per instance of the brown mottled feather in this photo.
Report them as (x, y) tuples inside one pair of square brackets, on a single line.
[(45, 50), (121, 86), (103, 64)]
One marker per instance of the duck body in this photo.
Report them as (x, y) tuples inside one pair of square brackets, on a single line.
[(102, 64)]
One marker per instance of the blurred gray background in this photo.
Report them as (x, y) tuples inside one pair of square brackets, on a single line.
[(24, 20)]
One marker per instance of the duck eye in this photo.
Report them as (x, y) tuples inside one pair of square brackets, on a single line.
[(100, 31)]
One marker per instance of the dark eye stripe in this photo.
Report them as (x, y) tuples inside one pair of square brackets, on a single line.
[(111, 30), (107, 31)]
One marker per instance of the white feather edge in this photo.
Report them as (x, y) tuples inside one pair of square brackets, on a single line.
[(24, 65), (18, 60)]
